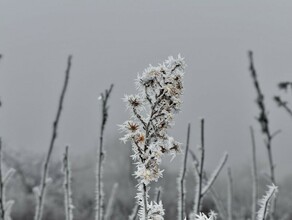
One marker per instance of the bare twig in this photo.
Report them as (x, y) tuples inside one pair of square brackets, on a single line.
[(67, 185), (181, 180), (254, 177), (41, 191), (264, 122), (101, 155)]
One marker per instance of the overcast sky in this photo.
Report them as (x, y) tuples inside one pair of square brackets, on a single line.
[(111, 41)]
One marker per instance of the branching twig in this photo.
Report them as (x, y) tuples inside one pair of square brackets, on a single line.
[(264, 122), (99, 194), (41, 191)]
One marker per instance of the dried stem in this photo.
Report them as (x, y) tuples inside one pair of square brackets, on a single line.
[(181, 201), (67, 185), (42, 190), (254, 177), (230, 195), (99, 194), (264, 122)]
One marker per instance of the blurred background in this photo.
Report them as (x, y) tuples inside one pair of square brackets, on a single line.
[(112, 41)]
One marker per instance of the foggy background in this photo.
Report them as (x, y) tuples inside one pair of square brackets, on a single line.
[(112, 41)]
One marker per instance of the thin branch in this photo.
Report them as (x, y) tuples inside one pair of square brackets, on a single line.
[(181, 180), (264, 122), (42, 190), (215, 174), (101, 155)]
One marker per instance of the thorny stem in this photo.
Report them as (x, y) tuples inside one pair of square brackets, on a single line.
[(2, 209), (40, 197), (99, 196), (182, 178)]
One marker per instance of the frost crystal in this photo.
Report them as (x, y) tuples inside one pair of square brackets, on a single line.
[(152, 112)]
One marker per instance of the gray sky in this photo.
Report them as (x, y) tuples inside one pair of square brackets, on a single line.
[(111, 41)]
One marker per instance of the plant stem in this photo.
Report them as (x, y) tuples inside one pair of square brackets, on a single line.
[(101, 155)]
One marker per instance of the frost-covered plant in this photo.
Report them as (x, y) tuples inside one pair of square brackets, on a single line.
[(266, 201), (153, 108)]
